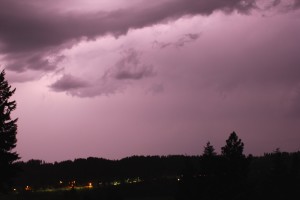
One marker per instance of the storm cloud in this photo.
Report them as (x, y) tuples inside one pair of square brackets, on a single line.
[(180, 42), (34, 33), (128, 68), (215, 66), (68, 82)]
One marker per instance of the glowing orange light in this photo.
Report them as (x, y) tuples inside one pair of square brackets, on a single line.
[(72, 184), (27, 188)]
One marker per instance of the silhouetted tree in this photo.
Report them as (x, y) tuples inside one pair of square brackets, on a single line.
[(279, 167), (209, 150), (209, 161), (234, 147), (8, 131), (208, 179), (235, 166)]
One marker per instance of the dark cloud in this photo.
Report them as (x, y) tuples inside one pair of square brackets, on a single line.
[(272, 4), (294, 5), (28, 29), (135, 75), (68, 83), (297, 4), (193, 36), (276, 2), (281, 5), (19, 62), (180, 42), (129, 67)]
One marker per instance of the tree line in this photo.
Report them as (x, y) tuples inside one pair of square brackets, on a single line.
[(209, 176)]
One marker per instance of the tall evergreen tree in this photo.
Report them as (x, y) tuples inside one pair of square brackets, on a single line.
[(209, 161), (209, 150), (235, 161), (234, 147), (8, 131)]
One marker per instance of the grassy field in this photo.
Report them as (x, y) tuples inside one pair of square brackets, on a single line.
[(82, 196), (91, 194)]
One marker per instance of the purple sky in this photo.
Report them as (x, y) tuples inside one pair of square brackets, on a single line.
[(115, 78)]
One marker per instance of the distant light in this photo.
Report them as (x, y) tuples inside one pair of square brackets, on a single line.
[(115, 183), (178, 179), (27, 188), (72, 184), (90, 185), (15, 189), (60, 182)]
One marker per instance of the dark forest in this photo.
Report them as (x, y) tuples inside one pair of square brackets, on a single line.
[(209, 176)]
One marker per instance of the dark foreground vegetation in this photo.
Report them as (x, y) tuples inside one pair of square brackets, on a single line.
[(231, 175)]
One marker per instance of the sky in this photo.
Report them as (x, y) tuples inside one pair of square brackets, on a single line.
[(116, 78)]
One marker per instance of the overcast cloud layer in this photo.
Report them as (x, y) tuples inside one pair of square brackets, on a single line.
[(30, 34), (152, 77)]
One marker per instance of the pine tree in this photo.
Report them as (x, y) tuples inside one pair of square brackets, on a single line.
[(235, 162), (8, 131), (234, 147), (209, 150), (209, 160)]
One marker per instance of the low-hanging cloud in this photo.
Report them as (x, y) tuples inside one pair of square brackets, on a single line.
[(280, 5), (180, 42), (128, 68), (68, 83), (295, 5), (28, 30), (20, 62)]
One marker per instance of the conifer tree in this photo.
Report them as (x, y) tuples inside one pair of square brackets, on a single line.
[(209, 150), (235, 161), (209, 160), (8, 131), (234, 147)]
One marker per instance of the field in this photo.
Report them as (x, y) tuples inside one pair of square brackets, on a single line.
[(110, 193), (83, 196), (77, 196)]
